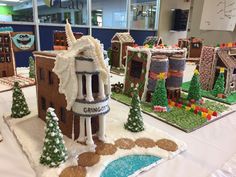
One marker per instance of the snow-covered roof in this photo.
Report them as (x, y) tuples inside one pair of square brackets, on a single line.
[(123, 37)]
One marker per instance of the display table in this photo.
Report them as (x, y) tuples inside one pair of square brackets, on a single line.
[(208, 148)]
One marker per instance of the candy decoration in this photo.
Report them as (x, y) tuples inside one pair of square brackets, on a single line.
[(204, 115), (214, 113), (208, 117)]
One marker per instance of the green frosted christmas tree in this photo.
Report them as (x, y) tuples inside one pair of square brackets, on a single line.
[(159, 97), (31, 67), (19, 106), (135, 120), (194, 92), (54, 150), (219, 87)]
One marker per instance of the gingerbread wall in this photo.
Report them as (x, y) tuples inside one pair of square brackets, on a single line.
[(48, 95), (7, 67)]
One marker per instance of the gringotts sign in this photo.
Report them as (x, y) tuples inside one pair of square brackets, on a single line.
[(23, 41)]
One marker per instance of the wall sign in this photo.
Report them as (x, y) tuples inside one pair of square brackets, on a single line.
[(23, 41), (90, 109)]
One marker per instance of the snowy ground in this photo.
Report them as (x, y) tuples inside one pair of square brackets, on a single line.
[(29, 132), (1, 137)]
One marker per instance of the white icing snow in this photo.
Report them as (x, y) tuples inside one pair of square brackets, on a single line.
[(30, 134)]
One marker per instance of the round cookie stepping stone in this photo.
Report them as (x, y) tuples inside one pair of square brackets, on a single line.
[(124, 143), (145, 142), (73, 171), (97, 141), (88, 159), (167, 145), (106, 149)]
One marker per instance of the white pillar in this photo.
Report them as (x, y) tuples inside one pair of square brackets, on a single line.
[(81, 129), (101, 133), (89, 93), (101, 94), (89, 131), (80, 87)]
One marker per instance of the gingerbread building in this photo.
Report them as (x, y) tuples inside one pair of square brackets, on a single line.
[(143, 65), (79, 87), (60, 41), (119, 44), (153, 40), (212, 59), (7, 59)]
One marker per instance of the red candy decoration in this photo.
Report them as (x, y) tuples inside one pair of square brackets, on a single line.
[(214, 113), (208, 117)]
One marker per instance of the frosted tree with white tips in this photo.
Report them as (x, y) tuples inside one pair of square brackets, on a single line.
[(54, 150)]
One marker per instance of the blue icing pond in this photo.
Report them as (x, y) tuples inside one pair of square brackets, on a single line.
[(128, 165)]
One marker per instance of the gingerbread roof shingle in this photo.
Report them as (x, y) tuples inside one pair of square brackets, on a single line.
[(229, 61)]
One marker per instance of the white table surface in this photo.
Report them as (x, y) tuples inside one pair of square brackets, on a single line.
[(208, 148)]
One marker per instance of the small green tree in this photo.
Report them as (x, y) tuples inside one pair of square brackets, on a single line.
[(194, 91), (54, 150), (19, 106), (135, 119), (219, 87), (159, 97), (31, 67)]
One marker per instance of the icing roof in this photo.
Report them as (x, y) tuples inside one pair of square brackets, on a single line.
[(229, 61), (123, 37)]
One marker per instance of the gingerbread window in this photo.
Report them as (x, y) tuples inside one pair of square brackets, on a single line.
[(43, 103), (63, 114), (136, 69)]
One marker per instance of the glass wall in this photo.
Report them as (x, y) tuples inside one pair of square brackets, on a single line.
[(16, 10), (143, 14), (104, 13), (58, 11), (109, 13)]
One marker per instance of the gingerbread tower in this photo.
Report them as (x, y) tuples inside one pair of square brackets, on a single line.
[(76, 68)]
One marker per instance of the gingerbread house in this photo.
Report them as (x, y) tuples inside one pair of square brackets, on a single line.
[(194, 46), (119, 44), (143, 65), (153, 40), (60, 41), (212, 59), (7, 59)]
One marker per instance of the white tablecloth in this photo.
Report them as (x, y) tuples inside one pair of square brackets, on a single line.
[(208, 148)]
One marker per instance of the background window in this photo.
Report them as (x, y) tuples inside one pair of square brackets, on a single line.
[(143, 14), (59, 11), (109, 13), (16, 10)]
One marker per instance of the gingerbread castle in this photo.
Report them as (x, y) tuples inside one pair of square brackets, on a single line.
[(79, 81), (143, 65)]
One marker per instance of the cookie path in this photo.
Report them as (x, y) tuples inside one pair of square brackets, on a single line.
[(74, 171), (145, 142), (88, 159), (167, 145), (124, 143)]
